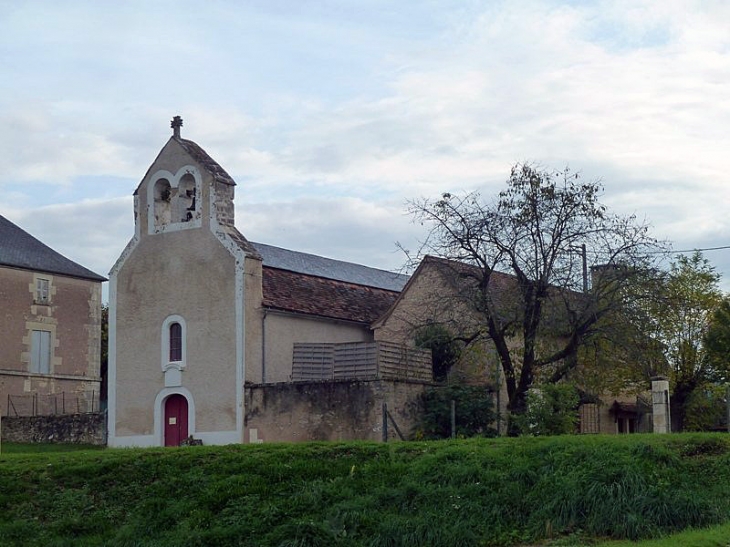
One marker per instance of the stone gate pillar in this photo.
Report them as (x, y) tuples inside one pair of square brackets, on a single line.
[(660, 405)]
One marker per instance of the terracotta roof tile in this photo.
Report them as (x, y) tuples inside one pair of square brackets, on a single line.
[(311, 295)]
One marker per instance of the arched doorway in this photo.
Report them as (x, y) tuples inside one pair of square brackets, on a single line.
[(176, 419)]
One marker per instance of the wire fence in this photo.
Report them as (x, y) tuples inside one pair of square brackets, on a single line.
[(35, 404)]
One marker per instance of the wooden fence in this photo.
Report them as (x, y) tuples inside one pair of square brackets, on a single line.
[(355, 360)]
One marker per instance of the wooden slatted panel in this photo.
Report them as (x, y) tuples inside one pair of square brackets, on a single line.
[(589, 418), (397, 361), (313, 362), (356, 360)]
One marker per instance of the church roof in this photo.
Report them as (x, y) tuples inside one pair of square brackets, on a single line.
[(312, 295), (19, 249), (328, 268), (208, 163), (314, 285)]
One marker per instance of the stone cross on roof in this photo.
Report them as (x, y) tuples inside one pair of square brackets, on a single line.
[(176, 124)]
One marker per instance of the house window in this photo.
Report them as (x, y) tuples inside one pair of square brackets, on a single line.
[(42, 291), (175, 342), (40, 352)]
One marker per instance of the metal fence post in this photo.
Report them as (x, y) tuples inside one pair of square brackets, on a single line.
[(385, 422), (727, 404), (453, 419)]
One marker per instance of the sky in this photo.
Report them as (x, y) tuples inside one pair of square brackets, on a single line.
[(331, 115)]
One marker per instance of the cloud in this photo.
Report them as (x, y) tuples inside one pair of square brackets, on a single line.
[(91, 232), (350, 229), (330, 122)]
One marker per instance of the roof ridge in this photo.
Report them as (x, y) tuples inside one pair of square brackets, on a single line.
[(343, 281), (329, 268)]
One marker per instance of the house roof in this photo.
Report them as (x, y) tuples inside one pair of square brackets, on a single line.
[(462, 279), (504, 294), (19, 249), (330, 298), (319, 266)]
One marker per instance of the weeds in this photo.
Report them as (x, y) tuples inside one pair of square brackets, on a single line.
[(460, 493)]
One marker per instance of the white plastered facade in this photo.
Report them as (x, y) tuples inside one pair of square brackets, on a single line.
[(187, 271)]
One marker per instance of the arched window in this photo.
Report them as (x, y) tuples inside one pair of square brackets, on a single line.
[(174, 202), (186, 199), (175, 342), (173, 346), (163, 196)]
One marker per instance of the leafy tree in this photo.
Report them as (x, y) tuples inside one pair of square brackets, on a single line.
[(717, 343), (624, 350), (690, 297), (534, 229)]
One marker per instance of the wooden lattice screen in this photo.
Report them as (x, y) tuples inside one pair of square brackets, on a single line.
[(359, 360)]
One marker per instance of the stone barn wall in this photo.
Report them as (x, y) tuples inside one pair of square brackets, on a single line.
[(330, 410), (64, 428)]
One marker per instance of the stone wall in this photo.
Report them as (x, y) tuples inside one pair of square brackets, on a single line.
[(64, 428), (330, 410)]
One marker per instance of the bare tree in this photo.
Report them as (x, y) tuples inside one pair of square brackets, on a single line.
[(519, 265)]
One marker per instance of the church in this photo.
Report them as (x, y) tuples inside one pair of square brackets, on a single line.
[(220, 340), (217, 339)]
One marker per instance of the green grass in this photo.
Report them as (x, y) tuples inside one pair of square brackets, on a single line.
[(39, 448), (456, 493), (718, 536)]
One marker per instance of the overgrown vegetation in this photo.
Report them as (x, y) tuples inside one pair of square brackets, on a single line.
[(445, 351), (551, 410), (449, 493), (473, 411)]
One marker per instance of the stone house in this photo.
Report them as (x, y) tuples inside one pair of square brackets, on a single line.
[(50, 328), (229, 341), (440, 292)]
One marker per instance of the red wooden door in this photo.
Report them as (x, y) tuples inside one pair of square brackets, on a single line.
[(176, 420)]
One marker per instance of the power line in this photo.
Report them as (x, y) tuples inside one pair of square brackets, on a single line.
[(672, 251), (706, 249)]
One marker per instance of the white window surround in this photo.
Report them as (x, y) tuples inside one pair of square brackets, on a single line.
[(165, 344), (174, 181)]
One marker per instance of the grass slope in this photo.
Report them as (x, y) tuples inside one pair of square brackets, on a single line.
[(459, 493), (718, 536)]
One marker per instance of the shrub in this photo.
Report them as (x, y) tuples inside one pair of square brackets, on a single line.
[(705, 409), (474, 412), (551, 410)]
